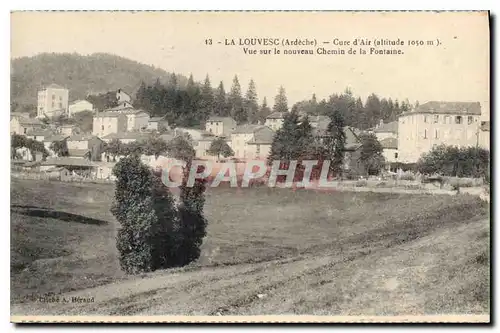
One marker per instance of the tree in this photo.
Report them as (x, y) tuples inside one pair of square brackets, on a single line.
[(264, 111), (60, 148), (235, 102), (181, 148), (286, 145), (372, 110), (371, 155), (220, 147), (134, 208), (221, 105), (335, 142), (251, 105), (280, 101), (207, 102), (155, 146)]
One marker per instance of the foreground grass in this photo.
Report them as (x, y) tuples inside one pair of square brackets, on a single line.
[(308, 252)]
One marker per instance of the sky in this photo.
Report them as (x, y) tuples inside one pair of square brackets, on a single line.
[(456, 70)]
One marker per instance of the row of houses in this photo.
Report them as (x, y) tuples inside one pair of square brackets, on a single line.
[(53, 101)]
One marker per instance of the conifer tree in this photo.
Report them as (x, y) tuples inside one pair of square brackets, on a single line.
[(251, 106), (280, 101)]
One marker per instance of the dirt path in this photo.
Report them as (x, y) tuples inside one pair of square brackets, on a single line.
[(364, 281)]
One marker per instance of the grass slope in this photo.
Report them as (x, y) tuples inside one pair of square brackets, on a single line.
[(303, 252)]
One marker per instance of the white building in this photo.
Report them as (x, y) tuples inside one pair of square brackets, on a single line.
[(52, 101), (79, 106)]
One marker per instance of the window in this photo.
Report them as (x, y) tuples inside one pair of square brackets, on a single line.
[(102, 128), (395, 155), (34, 137), (470, 120), (53, 97), (258, 149), (436, 134), (446, 119), (53, 104), (436, 119), (60, 105), (425, 119), (458, 120), (24, 130), (425, 134)]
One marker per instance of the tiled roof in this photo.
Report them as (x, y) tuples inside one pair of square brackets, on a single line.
[(436, 107), (219, 118), (127, 135), (108, 114), (263, 135), (276, 115), (79, 101), (389, 143), (40, 132), (29, 121), (82, 137), (247, 129), (57, 137), (154, 119), (77, 152), (391, 127)]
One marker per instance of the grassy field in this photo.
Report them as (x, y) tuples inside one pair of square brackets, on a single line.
[(268, 251)]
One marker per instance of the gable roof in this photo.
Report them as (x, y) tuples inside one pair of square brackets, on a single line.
[(82, 137), (155, 119), (127, 135), (437, 107), (79, 101), (219, 118), (28, 121), (391, 127), (78, 152), (108, 114), (263, 135), (389, 143), (40, 132), (57, 137), (248, 128)]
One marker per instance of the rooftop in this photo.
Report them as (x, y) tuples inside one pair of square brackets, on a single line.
[(127, 135), (391, 127), (54, 86), (108, 114), (82, 137), (29, 121), (78, 152), (438, 107), (248, 128), (263, 135), (154, 119), (389, 143), (219, 118), (57, 137), (40, 132)]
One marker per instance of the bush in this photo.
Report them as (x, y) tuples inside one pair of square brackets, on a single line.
[(155, 233), (407, 176), (456, 162), (361, 183)]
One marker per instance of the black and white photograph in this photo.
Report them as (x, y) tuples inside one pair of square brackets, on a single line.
[(250, 166)]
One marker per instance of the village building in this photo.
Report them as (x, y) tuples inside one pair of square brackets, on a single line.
[(48, 140), (137, 120), (22, 125), (85, 146), (202, 146), (52, 101), (220, 125), (121, 107), (157, 124), (79, 106), (195, 133), (251, 141), (484, 135), (75, 167), (386, 130), (122, 96), (108, 122), (39, 134), (127, 137), (275, 120), (435, 123), (390, 152), (68, 129)]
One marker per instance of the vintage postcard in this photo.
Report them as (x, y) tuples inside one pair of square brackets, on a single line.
[(220, 167)]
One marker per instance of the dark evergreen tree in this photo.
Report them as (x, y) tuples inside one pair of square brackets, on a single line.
[(251, 105), (280, 101), (335, 142), (221, 106), (264, 111)]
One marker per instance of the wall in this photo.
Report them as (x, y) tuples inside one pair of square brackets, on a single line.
[(418, 133), (50, 100)]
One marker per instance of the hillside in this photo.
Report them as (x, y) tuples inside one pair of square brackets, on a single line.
[(82, 75), (341, 254)]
